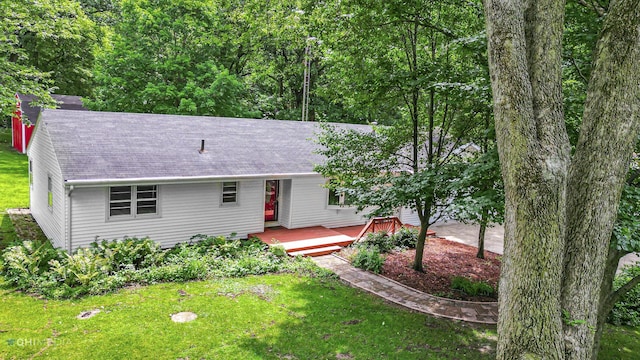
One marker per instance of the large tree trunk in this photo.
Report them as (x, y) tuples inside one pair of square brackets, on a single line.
[(553, 213), (598, 169), (524, 41)]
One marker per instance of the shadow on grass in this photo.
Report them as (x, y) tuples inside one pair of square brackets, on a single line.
[(339, 322), (26, 228), (7, 231)]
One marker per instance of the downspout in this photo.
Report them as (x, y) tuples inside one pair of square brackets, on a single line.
[(71, 188)]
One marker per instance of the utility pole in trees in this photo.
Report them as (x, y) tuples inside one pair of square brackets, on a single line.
[(306, 82)]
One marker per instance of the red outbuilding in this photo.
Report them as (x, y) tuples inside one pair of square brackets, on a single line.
[(25, 116)]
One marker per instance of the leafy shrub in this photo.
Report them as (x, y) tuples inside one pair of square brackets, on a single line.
[(216, 245), (379, 240), (107, 266), (405, 238), (106, 284), (23, 264), (368, 259), (627, 310), (470, 287), (278, 250), (129, 252), (81, 268)]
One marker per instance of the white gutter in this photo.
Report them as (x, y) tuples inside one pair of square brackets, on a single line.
[(181, 179)]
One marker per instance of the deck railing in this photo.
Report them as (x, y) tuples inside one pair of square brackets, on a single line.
[(389, 225)]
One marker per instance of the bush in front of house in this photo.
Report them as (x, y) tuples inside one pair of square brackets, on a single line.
[(627, 310), (405, 238), (379, 240), (129, 252), (110, 265), (23, 265), (368, 258)]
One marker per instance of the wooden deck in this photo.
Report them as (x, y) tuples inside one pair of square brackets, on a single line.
[(310, 241)]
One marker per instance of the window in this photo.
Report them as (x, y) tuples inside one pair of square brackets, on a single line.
[(120, 200), (147, 199), (133, 201), (229, 192), (49, 192), (338, 198)]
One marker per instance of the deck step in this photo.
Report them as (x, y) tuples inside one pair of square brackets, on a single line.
[(337, 240), (317, 251)]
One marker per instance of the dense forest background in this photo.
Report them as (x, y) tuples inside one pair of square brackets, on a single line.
[(366, 60)]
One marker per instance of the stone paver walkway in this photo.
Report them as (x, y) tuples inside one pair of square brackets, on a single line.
[(475, 312)]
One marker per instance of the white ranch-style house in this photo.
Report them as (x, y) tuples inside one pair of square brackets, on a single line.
[(104, 175)]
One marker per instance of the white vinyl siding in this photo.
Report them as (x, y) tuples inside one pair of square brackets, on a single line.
[(187, 210), (284, 205), (44, 166), (409, 216), (309, 206)]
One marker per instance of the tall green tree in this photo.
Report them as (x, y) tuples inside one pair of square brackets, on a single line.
[(560, 208), (66, 49), (170, 57), (285, 37), (45, 46), (410, 73)]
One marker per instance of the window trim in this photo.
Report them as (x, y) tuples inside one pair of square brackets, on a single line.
[(49, 192), (134, 202), (234, 192), (342, 196), (30, 173)]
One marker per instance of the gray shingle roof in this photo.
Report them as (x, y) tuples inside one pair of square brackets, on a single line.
[(92, 146)]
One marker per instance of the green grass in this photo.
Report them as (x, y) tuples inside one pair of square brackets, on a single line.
[(14, 185), (266, 317), (620, 342)]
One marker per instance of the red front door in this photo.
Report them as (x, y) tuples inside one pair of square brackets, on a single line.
[(271, 200)]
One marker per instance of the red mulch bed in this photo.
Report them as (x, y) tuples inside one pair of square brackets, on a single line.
[(443, 260)]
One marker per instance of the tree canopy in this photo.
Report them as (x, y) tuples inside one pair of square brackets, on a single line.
[(46, 46)]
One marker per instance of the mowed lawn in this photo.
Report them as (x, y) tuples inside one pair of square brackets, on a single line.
[(265, 317), (280, 316)]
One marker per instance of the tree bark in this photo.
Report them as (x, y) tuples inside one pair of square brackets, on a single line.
[(482, 232), (524, 43), (608, 133), (424, 214)]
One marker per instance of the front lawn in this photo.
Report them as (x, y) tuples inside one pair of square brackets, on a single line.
[(260, 317)]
